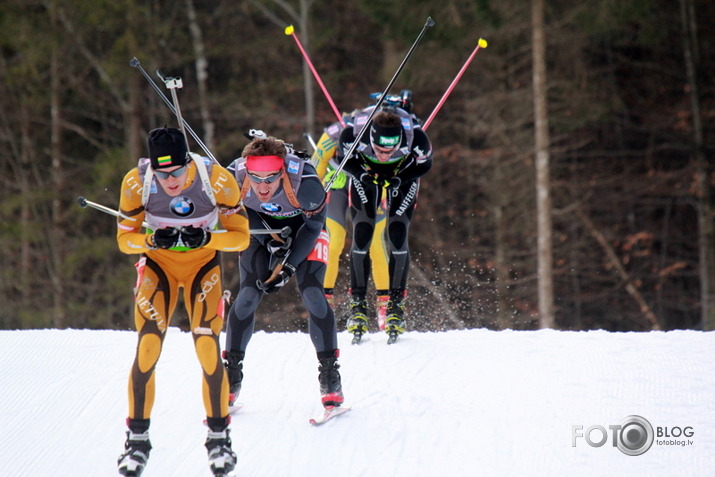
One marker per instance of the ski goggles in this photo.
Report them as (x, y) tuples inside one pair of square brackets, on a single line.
[(268, 180), (383, 151), (383, 155), (175, 173)]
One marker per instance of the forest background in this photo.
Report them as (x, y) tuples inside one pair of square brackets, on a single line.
[(630, 113)]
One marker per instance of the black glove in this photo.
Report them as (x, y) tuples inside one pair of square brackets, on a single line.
[(367, 178), (283, 277), (393, 183), (194, 237), (279, 249), (165, 238)]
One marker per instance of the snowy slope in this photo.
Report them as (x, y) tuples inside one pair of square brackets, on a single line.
[(459, 403)]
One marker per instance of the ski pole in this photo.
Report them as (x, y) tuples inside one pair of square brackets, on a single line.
[(482, 43), (135, 64), (279, 266), (290, 31), (83, 202), (311, 141), (429, 23), (172, 84)]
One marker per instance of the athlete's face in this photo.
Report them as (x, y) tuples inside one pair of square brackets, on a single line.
[(382, 154), (264, 183), (172, 179)]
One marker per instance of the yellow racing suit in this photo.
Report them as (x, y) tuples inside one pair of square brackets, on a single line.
[(162, 272)]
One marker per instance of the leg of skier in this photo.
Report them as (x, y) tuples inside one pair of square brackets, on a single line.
[(402, 203)]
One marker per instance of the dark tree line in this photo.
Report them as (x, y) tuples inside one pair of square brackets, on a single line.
[(630, 106)]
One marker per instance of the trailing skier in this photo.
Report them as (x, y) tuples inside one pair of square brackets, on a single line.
[(389, 159)]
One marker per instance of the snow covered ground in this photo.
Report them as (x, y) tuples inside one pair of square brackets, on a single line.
[(458, 403)]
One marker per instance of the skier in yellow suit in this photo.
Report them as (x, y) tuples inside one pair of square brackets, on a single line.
[(190, 207), (336, 223)]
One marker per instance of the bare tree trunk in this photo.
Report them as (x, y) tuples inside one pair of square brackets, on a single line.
[(622, 272), (543, 178), (302, 17), (93, 60), (25, 215), (504, 316), (136, 147), (706, 236), (132, 108), (202, 75), (308, 87), (56, 235)]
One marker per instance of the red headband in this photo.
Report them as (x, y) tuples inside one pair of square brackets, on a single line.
[(264, 163)]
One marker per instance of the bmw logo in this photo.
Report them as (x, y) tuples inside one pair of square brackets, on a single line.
[(182, 206), (271, 208)]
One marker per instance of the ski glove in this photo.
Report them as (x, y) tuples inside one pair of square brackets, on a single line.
[(194, 237), (283, 277), (279, 249), (165, 238), (393, 183), (367, 178)]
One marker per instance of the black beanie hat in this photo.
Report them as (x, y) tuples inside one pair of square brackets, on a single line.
[(387, 137), (167, 148)]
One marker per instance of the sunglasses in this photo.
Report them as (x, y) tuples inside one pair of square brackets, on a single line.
[(383, 150), (268, 180), (174, 173)]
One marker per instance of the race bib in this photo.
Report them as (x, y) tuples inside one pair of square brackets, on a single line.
[(320, 250)]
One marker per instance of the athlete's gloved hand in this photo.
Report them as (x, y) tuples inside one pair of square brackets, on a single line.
[(279, 249), (393, 183), (194, 237), (283, 277), (165, 238), (367, 178)]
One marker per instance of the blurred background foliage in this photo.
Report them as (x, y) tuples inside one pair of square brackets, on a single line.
[(74, 115)]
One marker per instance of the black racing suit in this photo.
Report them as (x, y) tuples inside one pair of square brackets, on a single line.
[(365, 197), (256, 263)]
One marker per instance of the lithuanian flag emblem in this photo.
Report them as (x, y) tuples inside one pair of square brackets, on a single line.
[(164, 160)]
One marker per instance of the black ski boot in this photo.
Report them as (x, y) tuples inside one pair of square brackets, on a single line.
[(357, 322), (395, 320), (222, 459), (136, 448), (331, 389), (234, 368)]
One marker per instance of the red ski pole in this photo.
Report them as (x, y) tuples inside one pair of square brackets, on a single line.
[(482, 43), (290, 31)]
